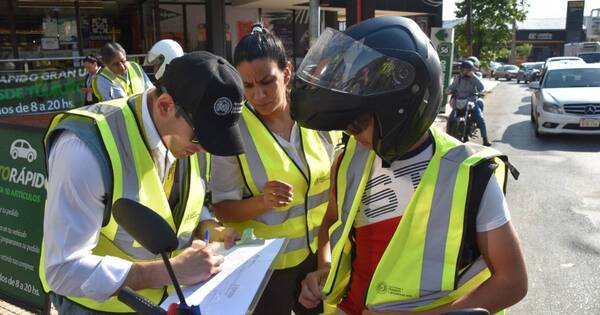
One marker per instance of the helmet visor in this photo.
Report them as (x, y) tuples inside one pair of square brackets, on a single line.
[(341, 63), (154, 60)]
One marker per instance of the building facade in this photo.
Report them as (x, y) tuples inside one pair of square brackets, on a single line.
[(72, 28)]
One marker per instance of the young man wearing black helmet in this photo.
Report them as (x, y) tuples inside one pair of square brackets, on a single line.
[(466, 85), (477, 65), (417, 221)]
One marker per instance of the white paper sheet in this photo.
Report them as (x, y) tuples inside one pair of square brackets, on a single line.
[(232, 290)]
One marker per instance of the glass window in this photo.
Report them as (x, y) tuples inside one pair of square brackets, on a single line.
[(566, 78)]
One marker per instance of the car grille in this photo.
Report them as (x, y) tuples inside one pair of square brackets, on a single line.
[(582, 109)]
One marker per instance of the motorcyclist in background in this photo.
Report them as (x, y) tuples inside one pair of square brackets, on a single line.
[(467, 85), (477, 65)]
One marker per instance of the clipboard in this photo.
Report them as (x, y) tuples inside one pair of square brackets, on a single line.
[(236, 289)]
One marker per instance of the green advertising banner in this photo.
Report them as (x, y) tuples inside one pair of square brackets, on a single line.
[(443, 41), (22, 199), (37, 92)]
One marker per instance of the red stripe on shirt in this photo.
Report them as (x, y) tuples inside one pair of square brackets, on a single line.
[(371, 242)]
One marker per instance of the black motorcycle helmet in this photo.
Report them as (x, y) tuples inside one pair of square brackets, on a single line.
[(467, 65), (384, 66)]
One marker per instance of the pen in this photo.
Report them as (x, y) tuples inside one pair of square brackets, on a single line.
[(206, 236)]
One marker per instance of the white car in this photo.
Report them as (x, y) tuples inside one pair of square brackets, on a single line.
[(564, 58), (22, 149), (561, 60), (567, 99)]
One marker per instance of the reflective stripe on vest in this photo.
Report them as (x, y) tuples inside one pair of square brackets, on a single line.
[(410, 275), (134, 73), (134, 177), (204, 161), (264, 160)]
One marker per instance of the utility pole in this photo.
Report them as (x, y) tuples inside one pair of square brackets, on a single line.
[(469, 28), (314, 22), (513, 43)]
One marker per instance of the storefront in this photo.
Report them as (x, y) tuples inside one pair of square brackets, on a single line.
[(547, 37), (545, 43), (71, 28), (57, 29)]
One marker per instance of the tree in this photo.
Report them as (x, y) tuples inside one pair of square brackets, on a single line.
[(523, 50), (491, 20)]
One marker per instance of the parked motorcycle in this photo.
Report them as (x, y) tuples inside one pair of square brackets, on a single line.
[(461, 123)]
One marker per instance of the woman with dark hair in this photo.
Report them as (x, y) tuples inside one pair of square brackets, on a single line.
[(93, 66), (119, 78), (279, 187)]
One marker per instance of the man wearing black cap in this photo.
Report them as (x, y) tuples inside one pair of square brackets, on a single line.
[(143, 148)]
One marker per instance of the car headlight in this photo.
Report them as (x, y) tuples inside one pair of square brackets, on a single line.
[(552, 108)]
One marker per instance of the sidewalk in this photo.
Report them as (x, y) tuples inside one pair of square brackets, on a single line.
[(440, 121), (9, 309)]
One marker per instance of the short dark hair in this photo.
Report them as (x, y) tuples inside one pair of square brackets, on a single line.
[(91, 59), (109, 51), (260, 43)]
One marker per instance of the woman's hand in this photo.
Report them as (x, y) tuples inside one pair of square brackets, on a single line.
[(276, 194), (218, 233), (229, 237)]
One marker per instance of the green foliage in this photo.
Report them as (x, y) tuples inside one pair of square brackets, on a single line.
[(523, 50), (503, 53), (492, 23)]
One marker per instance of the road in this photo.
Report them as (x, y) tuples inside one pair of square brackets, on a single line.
[(555, 206)]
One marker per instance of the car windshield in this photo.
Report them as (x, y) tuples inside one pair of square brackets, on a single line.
[(566, 78), (590, 57), (506, 68)]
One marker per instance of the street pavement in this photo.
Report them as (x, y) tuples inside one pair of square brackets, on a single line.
[(555, 206)]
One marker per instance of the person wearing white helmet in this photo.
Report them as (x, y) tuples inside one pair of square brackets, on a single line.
[(477, 65), (161, 54)]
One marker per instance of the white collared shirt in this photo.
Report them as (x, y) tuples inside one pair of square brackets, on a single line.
[(74, 213), (163, 159)]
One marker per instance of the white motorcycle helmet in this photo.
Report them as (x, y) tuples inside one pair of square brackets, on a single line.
[(161, 54), (475, 61)]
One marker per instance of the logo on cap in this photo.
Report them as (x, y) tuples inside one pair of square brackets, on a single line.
[(223, 106)]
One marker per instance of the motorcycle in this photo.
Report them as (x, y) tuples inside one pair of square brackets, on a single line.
[(461, 123)]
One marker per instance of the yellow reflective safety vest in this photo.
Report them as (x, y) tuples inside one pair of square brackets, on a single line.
[(419, 269), (265, 160), (134, 176), (134, 84)]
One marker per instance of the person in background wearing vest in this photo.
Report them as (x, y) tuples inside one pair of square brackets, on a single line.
[(119, 77), (279, 186), (417, 222), (143, 148), (92, 66)]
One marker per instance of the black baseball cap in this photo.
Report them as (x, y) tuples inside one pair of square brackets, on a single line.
[(210, 91)]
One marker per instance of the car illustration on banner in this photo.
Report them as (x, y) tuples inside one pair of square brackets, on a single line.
[(22, 149)]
